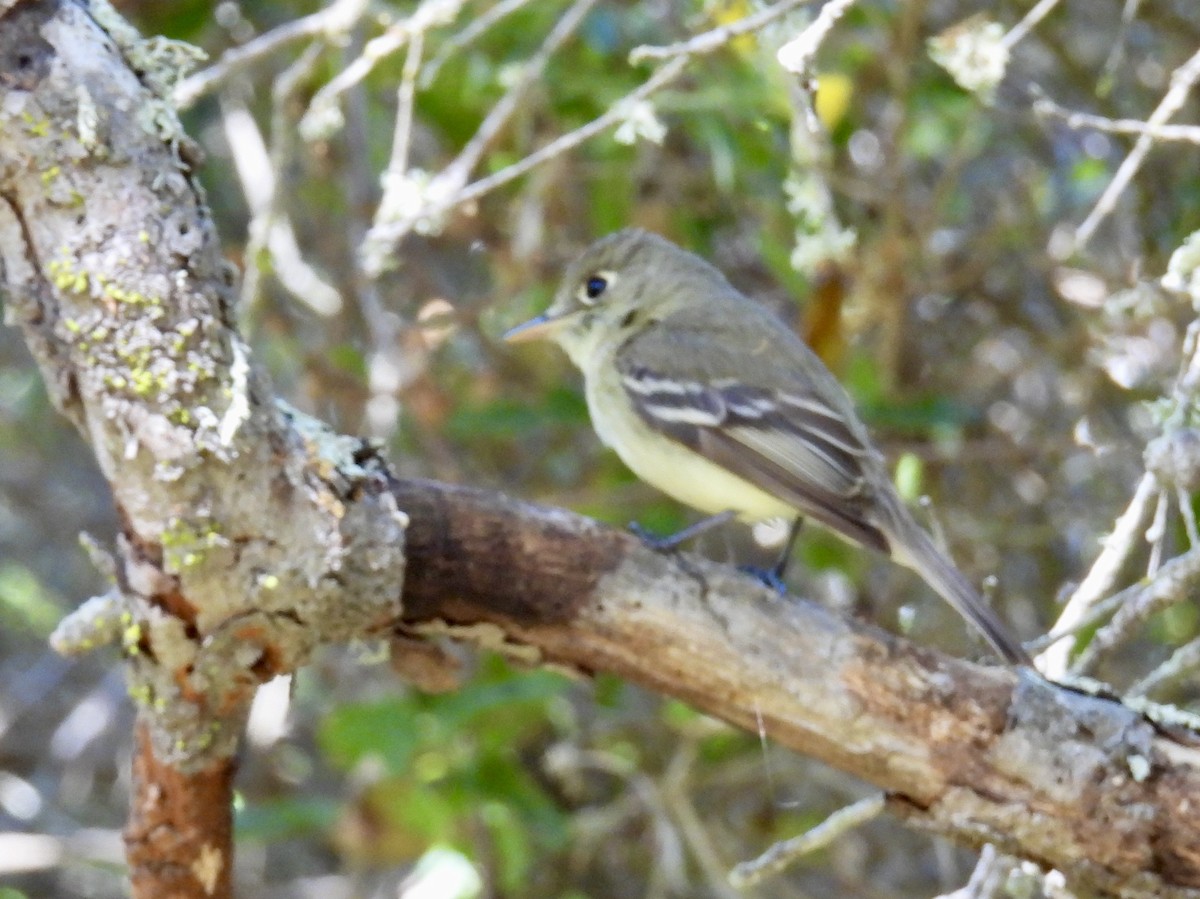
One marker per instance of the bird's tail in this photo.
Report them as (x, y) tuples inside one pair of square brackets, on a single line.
[(913, 548)]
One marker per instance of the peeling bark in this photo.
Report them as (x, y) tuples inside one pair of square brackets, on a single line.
[(979, 754), (178, 839), (251, 534)]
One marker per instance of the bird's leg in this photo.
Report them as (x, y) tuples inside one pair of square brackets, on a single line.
[(773, 577), (779, 569), (672, 541)]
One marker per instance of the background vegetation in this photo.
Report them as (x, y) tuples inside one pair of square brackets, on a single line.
[(1002, 359)]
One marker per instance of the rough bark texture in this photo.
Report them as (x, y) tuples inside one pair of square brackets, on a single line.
[(980, 754), (114, 273), (178, 837), (252, 533)]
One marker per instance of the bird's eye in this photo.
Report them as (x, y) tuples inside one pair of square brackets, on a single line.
[(595, 286)]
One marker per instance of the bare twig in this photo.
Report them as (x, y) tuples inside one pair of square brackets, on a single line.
[(458, 41), (402, 134), (797, 53), (785, 853), (1093, 616), (664, 76), (1156, 534), (670, 862), (717, 37), (462, 166), (1171, 585), (412, 198), (441, 198), (677, 798), (263, 217), (428, 15), (1116, 56), (1182, 81), (338, 18), (1183, 662), (1100, 579), (1044, 106), (270, 228), (1027, 24)]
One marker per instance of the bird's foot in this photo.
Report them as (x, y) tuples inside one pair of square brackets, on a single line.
[(673, 541), (768, 577), (651, 540)]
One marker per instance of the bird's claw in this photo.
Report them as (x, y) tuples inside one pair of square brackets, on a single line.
[(768, 577)]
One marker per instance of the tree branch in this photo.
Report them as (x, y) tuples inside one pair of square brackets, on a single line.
[(978, 754), (251, 534)]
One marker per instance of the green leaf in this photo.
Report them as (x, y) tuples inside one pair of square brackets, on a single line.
[(383, 729)]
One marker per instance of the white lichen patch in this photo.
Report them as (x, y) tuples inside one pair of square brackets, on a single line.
[(98, 622)]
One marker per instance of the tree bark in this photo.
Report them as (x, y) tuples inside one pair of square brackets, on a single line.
[(251, 534), (179, 837), (978, 754)]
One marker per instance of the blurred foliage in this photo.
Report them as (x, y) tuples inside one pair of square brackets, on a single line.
[(947, 323)]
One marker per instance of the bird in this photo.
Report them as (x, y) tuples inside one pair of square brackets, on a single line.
[(707, 395)]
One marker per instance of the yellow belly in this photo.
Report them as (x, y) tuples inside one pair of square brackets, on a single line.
[(671, 467)]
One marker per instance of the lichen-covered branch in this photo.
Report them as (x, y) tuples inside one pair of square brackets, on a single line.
[(245, 523), (250, 534)]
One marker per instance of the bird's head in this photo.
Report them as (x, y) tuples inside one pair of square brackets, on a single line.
[(612, 289)]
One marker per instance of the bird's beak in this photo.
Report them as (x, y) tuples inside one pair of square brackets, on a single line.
[(535, 329)]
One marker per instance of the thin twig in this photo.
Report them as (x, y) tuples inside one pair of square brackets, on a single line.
[(676, 796), (268, 228), (786, 852), (463, 164), (1044, 106), (1156, 534), (1085, 608), (616, 113), (1182, 80), (1100, 578), (1172, 584), (1092, 617), (391, 232), (1116, 56), (1183, 497), (1183, 661), (797, 53), (1027, 24), (263, 219), (402, 133), (989, 878), (428, 15), (338, 18), (410, 198), (670, 860), (463, 38), (718, 37)]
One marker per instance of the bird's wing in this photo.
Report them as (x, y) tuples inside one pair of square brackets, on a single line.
[(792, 434)]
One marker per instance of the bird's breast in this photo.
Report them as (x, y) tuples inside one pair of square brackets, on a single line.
[(666, 464)]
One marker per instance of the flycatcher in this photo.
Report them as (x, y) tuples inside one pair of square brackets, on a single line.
[(712, 399)]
